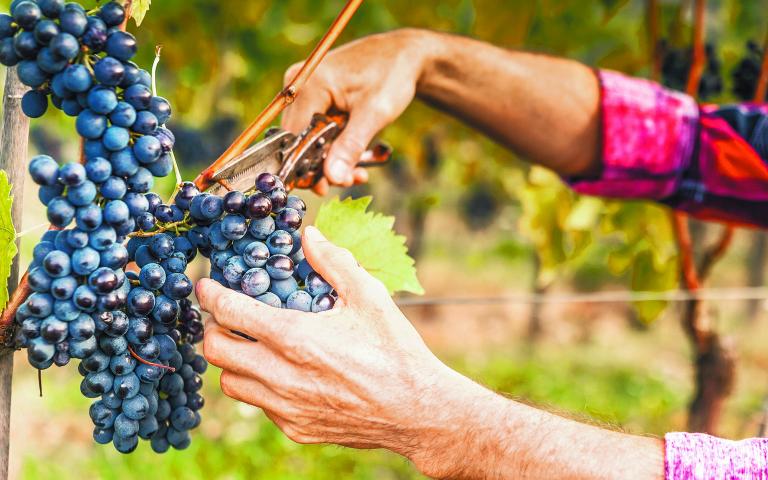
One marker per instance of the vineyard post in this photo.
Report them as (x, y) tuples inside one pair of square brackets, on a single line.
[(13, 154)]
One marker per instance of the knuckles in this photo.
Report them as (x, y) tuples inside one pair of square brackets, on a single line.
[(291, 72), (226, 306)]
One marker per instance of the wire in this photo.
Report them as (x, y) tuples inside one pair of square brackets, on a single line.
[(620, 296)]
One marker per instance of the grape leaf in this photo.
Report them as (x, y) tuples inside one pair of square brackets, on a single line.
[(370, 238), (8, 248), (139, 9)]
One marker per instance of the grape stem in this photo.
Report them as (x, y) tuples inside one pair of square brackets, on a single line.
[(176, 170), (285, 97), (163, 228), (147, 362)]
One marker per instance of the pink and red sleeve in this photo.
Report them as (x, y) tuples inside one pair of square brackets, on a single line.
[(696, 456), (660, 145)]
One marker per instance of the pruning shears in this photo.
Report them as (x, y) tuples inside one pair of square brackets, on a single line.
[(296, 159)]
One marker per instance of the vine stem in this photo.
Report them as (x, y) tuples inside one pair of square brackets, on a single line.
[(147, 362), (679, 219), (176, 170), (285, 97), (652, 23), (714, 367)]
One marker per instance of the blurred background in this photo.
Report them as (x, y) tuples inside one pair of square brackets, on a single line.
[(480, 223)]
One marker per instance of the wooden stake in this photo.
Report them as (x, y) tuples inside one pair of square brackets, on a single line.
[(13, 159)]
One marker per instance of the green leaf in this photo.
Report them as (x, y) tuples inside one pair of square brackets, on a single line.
[(139, 9), (8, 248), (370, 238)]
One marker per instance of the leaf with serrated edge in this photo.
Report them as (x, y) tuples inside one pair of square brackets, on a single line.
[(8, 248), (370, 238), (139, 9)]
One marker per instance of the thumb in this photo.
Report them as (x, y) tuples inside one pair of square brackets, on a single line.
[(335, 264), (347, 149)]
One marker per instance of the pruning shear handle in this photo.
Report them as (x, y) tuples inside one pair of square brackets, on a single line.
[(303, 166)]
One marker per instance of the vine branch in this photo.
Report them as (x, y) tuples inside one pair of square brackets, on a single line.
[(652, 24)]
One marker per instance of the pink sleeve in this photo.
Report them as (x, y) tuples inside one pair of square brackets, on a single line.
[(695, 456), (648, 135), (657, 144)]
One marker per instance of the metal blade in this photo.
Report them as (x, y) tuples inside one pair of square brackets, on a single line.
[(265, 156)]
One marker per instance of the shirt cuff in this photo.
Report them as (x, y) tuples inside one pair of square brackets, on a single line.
[(696, 456), (648, 135)]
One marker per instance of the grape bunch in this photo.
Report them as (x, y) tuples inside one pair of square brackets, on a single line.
[(747, 72), (133, 332), (251, 238), (676, 66)]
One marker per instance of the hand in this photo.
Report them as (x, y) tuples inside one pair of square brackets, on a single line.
[(357, 375), (374, 80)]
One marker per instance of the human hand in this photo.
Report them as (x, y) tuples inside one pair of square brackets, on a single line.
[(357, 375), (373, 79)]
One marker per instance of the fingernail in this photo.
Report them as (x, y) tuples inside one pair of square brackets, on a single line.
[(338, 171), (314, 235)]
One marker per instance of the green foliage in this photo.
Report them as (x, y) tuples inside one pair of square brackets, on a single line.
[(612, 7), (370, 238), (566, 229), (8, 248), (559, 230), (139, 9)]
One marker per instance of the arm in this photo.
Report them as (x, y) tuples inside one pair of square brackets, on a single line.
[(608, 134), (539, 106), (360, 375)]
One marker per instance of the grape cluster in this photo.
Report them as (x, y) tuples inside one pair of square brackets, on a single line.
[(134, 333), (676, 66), (747, 72), (252, 240)]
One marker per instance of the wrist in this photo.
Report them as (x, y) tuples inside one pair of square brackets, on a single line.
[(451, 418), (424, 50)]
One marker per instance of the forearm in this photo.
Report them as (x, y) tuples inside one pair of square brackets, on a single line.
[(475, 433), (544, 108)]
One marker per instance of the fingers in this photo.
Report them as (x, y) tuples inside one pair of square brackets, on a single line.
[(361, 175), (252, 392), (347, 149), (321, 187), (240, 356), (238, 312), (337, 265), (297, 116)]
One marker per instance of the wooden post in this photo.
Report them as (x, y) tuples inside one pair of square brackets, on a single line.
[(13, 159)]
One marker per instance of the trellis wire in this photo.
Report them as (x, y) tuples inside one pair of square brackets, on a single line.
[(619, 296)]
